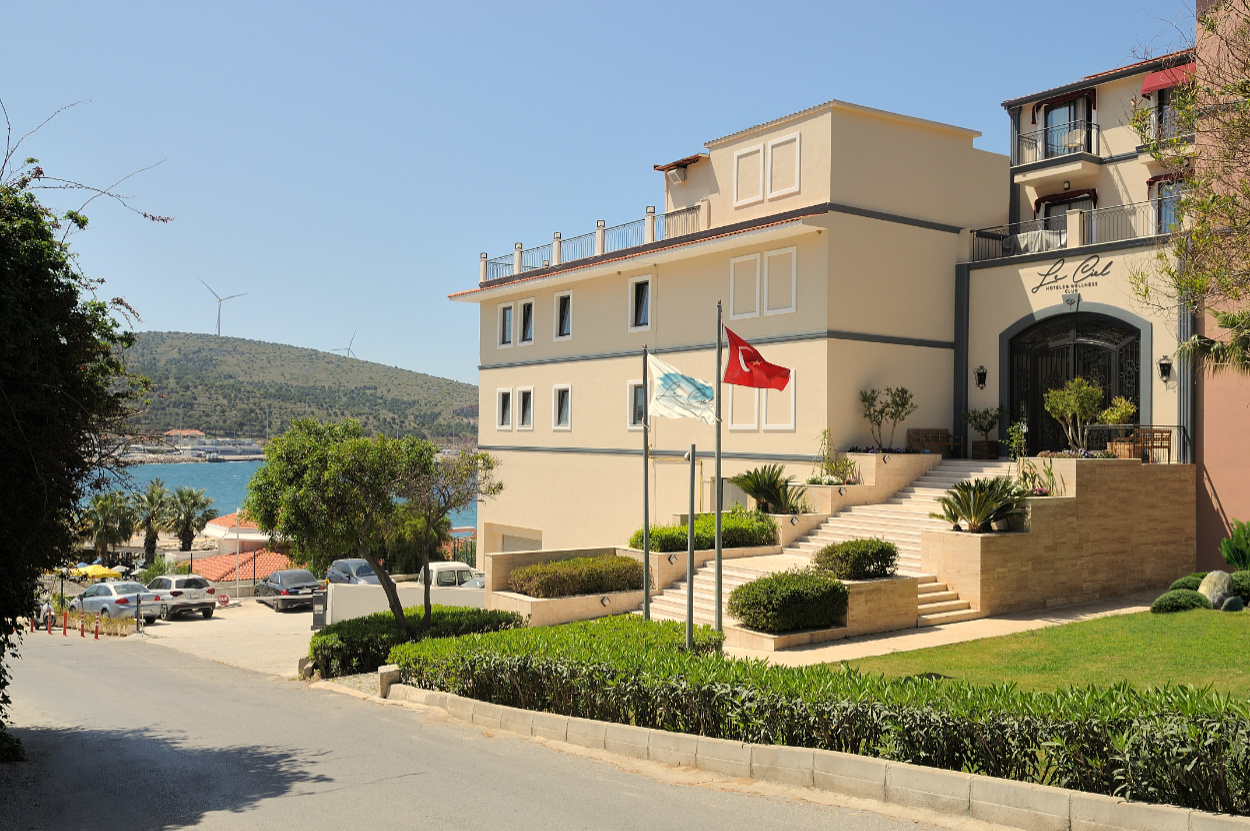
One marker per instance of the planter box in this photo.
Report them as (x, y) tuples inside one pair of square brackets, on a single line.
[(873, 606), (1108, 537), (881, 480), (984, 450), (549, 611)]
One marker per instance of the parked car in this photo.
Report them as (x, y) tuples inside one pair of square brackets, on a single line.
[(289, 588), (357, 572), (449, 575), (475, 583), (117, 599), (184, 594)]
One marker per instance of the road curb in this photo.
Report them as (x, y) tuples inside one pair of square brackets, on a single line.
[(1013, 804)]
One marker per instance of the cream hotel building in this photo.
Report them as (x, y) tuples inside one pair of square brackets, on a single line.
[(860, 248)]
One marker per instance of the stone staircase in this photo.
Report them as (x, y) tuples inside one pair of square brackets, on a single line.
[(670, 604)]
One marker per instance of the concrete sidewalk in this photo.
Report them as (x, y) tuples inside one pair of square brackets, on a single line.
[(908, 640), (250, 636)]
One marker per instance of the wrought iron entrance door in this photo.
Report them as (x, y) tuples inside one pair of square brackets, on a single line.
[(1100, 349)]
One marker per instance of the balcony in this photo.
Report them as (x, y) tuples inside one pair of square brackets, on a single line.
[(1137, 220), (603, 240), (1056, 141)]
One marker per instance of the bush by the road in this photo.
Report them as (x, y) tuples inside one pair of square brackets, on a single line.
[(582, 575), (787, 601), (739, 529), (362, 644)]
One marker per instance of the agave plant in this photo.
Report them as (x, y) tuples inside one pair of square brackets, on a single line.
[(770, 488), (979, 503)]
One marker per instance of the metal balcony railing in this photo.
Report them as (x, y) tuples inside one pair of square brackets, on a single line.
[(1122, 222), (619, 237), (535, 258), (677, 223), (1056, 140), (1031, 237), (578, 248), (499, 267)]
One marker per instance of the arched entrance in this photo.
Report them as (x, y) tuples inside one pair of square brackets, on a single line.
[(1048, 354)]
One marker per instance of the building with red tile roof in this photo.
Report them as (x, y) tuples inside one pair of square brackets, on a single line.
[(257, 564)]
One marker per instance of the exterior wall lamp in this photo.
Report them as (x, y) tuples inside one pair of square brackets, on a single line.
[(1165, 368), (981, 372)]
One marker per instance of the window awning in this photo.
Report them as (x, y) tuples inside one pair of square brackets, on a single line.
[(1064, 99), (1165, 78), (1166, 177), (1066, 196)]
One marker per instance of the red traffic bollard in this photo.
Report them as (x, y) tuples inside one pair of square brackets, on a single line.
[(82, 626), (49, 620), (64, 624), (97, 626)]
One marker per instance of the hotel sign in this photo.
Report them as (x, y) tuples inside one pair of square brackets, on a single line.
[(1085, 274)]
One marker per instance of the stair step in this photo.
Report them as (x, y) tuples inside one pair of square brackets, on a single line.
[(927, 599), (947, 617), (931, 586), (938, 607)]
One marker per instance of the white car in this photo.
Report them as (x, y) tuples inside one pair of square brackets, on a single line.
[(449, 575), (184, 594), (117, 600)]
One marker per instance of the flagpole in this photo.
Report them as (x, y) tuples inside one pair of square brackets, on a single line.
[(646, 490), (717, 484), (690, 560)]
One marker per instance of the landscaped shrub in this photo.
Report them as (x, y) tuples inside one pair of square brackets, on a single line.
[(1189, 581), (583, 575), (739, 529), (361, 644), (1178, 745), (787, 601), (867, 559), (771, 489), (1236, 549), (1180, 600), (979, 503), (1241, 585)]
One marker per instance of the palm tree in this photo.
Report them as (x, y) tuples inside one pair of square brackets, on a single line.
[(152, 509), (108, 521), (189, 513), (1217, 356)]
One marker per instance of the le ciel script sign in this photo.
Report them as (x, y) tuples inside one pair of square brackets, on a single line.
[(1089, 269)]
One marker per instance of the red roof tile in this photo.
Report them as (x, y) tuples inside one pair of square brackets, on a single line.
[(227, 521), (1143, 65), (221, 567)]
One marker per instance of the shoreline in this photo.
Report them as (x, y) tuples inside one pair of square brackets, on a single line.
[(161, 459)]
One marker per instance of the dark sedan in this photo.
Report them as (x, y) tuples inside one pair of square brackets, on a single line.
[(357, 572), (287, 589)]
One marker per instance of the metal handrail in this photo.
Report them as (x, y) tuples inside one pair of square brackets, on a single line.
[(623, 236), (577, 248), (1055, 141), (497, 267), (1029, 237), (677, 223), (1122, 222), (535, 258)]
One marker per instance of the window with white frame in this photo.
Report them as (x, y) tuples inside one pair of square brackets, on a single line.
[(505, 325), (744, 287), (561, 407), (744, 407), (503, 409), (781, 281), (1166, 193), (749, 176), (640, 304), (778, 407), (525, 408), (526, 335), (636, 404), (563, 317), (783, 166)]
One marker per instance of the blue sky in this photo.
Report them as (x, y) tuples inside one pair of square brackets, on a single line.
[(344, 164)]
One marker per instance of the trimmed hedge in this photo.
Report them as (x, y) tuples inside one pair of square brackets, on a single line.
[(739, 529), (1179, 745), (868, 559), (1241, 585), (583, 575), (362, 644), (1189, 581), (1180, 600), (787, 601)]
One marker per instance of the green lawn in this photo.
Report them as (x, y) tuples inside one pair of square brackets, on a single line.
[(1197, 647)]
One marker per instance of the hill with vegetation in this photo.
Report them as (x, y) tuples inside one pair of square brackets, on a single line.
[(246, 388)]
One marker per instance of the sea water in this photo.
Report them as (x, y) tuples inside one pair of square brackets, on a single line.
[(226, 484)]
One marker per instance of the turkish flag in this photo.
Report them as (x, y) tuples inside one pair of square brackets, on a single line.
[(747, 367)]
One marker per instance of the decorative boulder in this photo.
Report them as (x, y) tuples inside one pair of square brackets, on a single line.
[(1218, 587), (1233, 604)]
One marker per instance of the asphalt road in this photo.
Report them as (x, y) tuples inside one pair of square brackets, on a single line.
[(123, 736)]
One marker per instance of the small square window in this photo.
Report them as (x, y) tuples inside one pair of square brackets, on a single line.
[(505, 325), (564, 316), (527, 322), (636, 401), (525, 408), (639, 304), (561, 408), (503, 408)]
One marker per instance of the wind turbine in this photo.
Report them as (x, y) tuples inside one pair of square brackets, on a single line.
[(220, 300), (348, 349)]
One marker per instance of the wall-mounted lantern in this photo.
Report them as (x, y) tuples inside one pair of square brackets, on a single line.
[(1165, 368), (981, 372)]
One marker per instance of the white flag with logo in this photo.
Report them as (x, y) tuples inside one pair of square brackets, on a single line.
[(676, 395)]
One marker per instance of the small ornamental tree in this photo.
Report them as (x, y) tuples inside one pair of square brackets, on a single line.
[(984, 421), (894, 406), (1075, 406)]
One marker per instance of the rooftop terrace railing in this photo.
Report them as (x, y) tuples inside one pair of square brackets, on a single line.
[(603, 240), (1054, 141)]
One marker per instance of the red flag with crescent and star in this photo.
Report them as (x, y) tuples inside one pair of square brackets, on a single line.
[(747, 367)]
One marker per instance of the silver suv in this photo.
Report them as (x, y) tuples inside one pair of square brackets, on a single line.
[(182, 594)]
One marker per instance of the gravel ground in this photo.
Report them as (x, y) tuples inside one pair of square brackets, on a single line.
[(366, 682)]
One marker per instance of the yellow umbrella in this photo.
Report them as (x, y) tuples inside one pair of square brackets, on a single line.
[(95, 572)]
